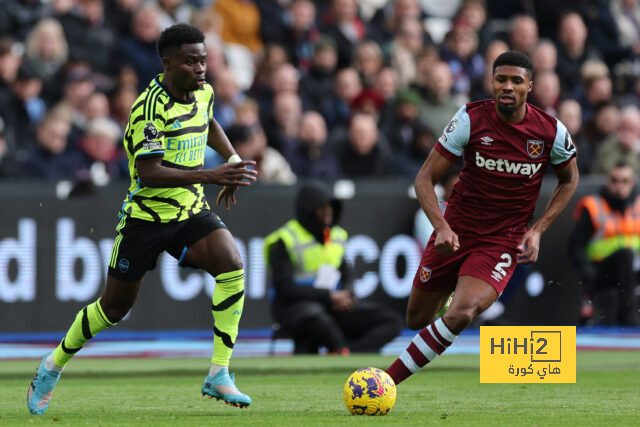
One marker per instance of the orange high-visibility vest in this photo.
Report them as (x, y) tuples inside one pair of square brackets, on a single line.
[(612, 230)]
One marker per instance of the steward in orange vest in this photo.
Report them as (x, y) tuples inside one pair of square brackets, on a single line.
[(603, 245)]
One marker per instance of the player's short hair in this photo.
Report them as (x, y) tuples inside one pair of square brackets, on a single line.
[(177, 35), (515, 59)]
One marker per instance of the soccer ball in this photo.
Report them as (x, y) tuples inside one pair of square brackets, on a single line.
[(369, 391)]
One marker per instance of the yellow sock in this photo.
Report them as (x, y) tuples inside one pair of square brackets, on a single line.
[(228, 300), (89, 321)]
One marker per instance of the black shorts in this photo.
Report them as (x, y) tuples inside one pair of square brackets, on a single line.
[(139, 243)]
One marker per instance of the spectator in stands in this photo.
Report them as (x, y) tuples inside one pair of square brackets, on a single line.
[(17, 17), (570, 114), (284, 79), (388, 20), (97, 107), (362, 155), (10, 60), (405, 47), (438, 105), (386, 84), (604, 244), (46, 49), (624, 146), (368, 101), (626, 14), (474, 14), (313, 157), (523, 34), (247, 113), (460, 52), (240, 23), (347, 87), (24, 110), (368, 61), (139, 49), (597, 86), (119, 16), (274, 56), (174, 12), (251, 144), (318, 82), (546, 92), (300, 34), (48, 160), (283, 129), (601, 126), (545, 57), (10, 166), (100, 143), (573, 51), (606, 35), (78, 88), (88, 37), (313, 282), (227, 97), (122, 100), (401, 128), (344, 26)]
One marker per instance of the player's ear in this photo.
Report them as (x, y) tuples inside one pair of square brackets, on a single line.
[(166, 61), (530, 86)]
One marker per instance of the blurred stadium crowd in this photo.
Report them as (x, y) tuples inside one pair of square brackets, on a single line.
[(322, 89)]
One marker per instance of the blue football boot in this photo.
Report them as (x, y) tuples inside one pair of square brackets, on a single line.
[(41, 388), (222, 386)]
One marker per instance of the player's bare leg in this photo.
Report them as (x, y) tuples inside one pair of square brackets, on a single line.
[(218, 255), (472, 296), (423, 306), (117, 299)]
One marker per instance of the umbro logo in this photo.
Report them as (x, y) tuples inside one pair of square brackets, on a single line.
[(486, 140), (176, 125)]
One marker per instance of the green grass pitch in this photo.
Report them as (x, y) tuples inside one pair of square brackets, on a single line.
[(307, 390)]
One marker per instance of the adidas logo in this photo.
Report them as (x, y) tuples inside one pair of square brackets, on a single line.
[(238, 312), (176, 125), (486, 140)]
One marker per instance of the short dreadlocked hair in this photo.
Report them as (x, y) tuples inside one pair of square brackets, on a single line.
[(177, 35), (515, 59)]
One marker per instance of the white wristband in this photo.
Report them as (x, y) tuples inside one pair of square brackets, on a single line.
[(234, 159)]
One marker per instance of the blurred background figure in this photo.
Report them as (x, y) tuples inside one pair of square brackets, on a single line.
[(101, 146), (362, 154), (523, 34), (570, 114), (313, 157), (251, 144), (623, 146), (138, 50), (313, 298), (49, 159), (603, 245)]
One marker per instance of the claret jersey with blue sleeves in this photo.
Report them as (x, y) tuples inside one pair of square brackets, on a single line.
[(162, 126), (504, 164)]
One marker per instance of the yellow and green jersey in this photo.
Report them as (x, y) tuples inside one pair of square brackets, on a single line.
[(162, 126)]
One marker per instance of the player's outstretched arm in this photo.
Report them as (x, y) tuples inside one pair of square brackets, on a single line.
[(431, 172), (153, 174), (567, 182)]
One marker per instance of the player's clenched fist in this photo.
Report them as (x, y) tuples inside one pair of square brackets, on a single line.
[(233, 174), (446, 242)]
